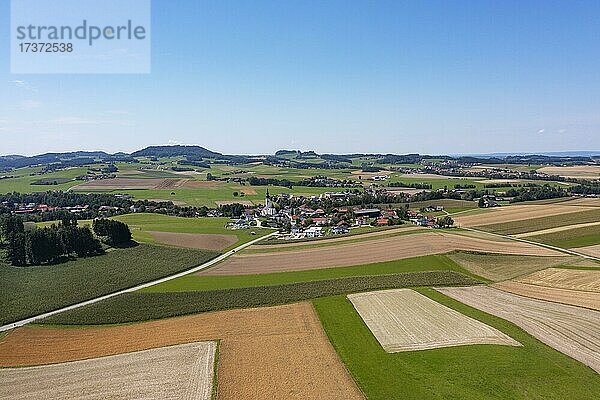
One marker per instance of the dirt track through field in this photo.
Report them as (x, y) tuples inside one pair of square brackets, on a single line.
[(573, 279), (371, 251), (564, 296), (557, 229), (405, 320), (265, 353), (174, 372), (195, 240), (574, 331), (516, 213)]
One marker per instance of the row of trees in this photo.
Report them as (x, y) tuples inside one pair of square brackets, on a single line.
[(58, 241), (46, 245), (113, 233)]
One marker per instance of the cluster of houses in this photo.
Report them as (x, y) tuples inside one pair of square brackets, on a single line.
[(31, 208)]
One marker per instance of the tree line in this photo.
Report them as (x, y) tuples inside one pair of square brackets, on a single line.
[(57, 242)]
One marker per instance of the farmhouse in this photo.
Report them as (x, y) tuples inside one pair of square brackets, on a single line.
[(314, 232), (368, 212)]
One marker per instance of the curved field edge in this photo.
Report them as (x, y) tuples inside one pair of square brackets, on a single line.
[(132, 307), (29, 291), (194, 282), (465, 372)]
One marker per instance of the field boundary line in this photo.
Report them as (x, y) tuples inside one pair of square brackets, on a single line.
[(197, 268)]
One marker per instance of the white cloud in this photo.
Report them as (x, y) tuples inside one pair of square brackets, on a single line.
[(541, 131), (173, 142)]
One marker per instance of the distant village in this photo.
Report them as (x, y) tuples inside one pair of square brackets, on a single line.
[(305, 221)]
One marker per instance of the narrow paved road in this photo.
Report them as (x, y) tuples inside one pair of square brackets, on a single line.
[(138, 287)]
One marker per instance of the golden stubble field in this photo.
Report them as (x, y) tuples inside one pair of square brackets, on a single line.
[(405, 320), (175, 372), (567, 286), (574, 331)]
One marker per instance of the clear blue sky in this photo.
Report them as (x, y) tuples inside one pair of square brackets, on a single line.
[(332, 76)]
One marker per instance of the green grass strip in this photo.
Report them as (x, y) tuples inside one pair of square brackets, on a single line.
[(577, 237)]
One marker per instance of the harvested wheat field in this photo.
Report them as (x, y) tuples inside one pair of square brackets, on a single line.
[(499, 267), (574, 279), (130, 183), (564, 296), (265, 353), (516, 213), (574, 331), (405, 320), (195, 240), (367, 252), (174, 372), (556, 229), (576, 171)]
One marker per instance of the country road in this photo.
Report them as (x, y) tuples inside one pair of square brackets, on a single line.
[(134, 288)]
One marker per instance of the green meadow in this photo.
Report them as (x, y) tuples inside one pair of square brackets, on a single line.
[(533, 371)]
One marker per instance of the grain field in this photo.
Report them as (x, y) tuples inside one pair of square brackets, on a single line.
[(405, 320)]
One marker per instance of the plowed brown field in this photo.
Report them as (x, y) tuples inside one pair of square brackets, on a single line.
[(372, 251), (194, 240), (574, 331), (266, 353)]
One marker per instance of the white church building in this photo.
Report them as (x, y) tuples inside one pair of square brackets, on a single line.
[(269, 209)]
